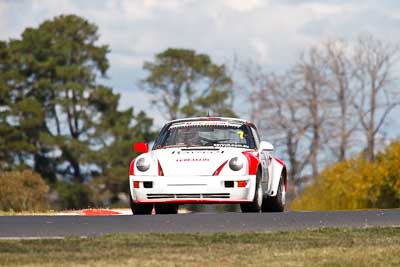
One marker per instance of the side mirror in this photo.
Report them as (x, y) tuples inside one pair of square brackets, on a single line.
[(266, 146), (141, 147)]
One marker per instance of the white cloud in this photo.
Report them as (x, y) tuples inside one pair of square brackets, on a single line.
[(243, 5), (320, 10), (136, 10)]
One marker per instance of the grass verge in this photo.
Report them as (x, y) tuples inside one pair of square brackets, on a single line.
[(324, 247)]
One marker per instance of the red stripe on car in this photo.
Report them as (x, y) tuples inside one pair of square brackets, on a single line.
[(279, 161), (132, 168), (160, 170), (252, 158), (216, 173)]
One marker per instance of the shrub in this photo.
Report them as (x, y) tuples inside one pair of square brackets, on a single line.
[(356, 184), (22, 191)]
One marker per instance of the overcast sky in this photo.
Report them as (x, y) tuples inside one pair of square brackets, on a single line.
[(269, 32)]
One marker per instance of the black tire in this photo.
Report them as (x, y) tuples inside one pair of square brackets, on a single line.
[(140, 209), (276, 203), (256, 205), (166, 208)]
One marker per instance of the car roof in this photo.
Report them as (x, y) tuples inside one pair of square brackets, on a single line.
[(228, 119)]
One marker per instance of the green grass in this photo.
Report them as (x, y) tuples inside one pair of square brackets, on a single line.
[(324, 247)]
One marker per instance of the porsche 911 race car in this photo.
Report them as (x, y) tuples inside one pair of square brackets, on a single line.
[(207, 160)]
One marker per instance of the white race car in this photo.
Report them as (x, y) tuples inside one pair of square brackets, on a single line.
[(207, 160)]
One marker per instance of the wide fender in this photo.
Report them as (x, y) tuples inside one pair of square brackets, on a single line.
[(276, 171)]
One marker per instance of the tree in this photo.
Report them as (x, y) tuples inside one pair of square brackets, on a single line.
[(292, 109), (279, 115), (7, 132), (19, 117), (340, 76), (310, 76), (324, 99), (59, 61), (56, 118), (116, 137), (377, 95), (184, 83)]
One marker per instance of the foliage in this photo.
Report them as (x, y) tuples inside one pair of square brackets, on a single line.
[(22, 191), (60, 62), (72, 195), (56, 115), (187, 84), (114, 159), (356, 184), (18, 117)]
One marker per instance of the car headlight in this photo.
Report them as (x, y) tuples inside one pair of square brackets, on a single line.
[(235, 164), (143, 164)]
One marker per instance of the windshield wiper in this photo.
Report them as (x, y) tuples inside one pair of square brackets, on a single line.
[(177, 146)]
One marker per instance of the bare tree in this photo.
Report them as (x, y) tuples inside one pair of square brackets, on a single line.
[(279, 116), (287, 120), (340, 80), (291, 110), (377, 95), (310, 77), (320, 104), (255, 89)]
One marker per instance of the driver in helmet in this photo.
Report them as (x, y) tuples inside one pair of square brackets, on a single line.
[(189, 136)]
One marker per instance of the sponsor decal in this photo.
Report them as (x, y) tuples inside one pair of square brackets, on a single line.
[(197, 151), (193, 159), (204, 123), (231, 145), (241, 134)]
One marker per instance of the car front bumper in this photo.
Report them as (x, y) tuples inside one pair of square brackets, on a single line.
[(192, 189)]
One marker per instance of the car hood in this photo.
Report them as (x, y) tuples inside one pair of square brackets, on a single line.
[(194, 161)]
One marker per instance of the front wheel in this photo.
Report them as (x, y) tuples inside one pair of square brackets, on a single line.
[(140, 209), (276, 203), (256, 204)]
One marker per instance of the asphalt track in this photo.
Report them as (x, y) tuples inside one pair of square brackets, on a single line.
[(61, 226)]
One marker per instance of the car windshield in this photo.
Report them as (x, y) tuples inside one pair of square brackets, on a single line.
[(212, 135)]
